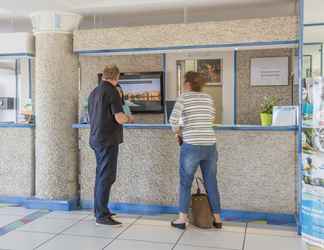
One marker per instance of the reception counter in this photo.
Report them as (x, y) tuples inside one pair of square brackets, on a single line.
[(256, 168)]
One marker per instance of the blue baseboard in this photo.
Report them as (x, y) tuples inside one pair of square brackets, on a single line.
[(34, 203), (227, 214)]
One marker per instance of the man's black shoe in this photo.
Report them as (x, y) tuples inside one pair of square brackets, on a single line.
[(108, 221)]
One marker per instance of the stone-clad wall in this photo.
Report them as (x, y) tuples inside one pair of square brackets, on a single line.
[(253, 176), (91, 65), (155, 36), (56, 109), (250, 98), (17, 163)]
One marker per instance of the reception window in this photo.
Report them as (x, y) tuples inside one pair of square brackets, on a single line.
[(16, 90)]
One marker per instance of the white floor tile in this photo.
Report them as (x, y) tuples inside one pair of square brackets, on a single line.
[(74, 242), (17, 240), (7, 219), (187, 247), (151, 233), (158, 220), (47, 225), (123, 218), (137, 245), (19, 211), (265, 229), (229, 226), (213, 238), (89, 228), (267, 242), (72, 215)]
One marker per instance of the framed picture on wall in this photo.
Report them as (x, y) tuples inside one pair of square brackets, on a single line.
[(213, 69)]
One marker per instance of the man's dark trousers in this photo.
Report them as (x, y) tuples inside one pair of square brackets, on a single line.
[(106, 171)]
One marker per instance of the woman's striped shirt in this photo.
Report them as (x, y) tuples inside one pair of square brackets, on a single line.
[(194, 114)]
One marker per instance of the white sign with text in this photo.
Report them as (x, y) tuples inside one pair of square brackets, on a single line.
[(269, 71)]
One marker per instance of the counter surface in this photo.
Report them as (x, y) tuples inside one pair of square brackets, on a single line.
[(16, 125), (216, 127)]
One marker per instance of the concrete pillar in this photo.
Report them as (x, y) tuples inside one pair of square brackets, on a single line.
[(56, 106)]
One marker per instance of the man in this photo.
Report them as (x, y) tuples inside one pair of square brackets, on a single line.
[(106, 133)]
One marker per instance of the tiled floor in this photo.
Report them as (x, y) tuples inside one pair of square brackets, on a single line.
[(77, 230)]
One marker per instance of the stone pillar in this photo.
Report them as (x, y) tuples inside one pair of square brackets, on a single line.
[(56, 106)]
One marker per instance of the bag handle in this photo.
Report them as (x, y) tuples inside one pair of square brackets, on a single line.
[(198, 179)]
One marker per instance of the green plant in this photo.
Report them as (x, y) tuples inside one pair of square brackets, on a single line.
[(268, 103)]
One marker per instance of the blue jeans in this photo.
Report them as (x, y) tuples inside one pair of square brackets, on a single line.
[(106, 170), (191, 157)]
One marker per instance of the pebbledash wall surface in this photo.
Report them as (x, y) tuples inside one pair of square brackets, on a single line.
[(253, 176)]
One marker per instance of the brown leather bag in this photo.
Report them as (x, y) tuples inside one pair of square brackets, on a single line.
[(201, 214)]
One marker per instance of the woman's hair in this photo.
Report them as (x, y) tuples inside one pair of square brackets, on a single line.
[(110, 72), (196, 80)]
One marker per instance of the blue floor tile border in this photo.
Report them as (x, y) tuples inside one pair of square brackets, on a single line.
[(23, 221)]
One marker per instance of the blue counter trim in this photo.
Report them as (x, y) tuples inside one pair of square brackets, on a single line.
[(34, 203), (313, 24), (207, 46), (256, 128), (227, 214), (221, 127), (17, 55), (156, 126), (16, 125)]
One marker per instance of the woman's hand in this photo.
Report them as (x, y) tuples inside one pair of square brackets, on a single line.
[(179, 139)]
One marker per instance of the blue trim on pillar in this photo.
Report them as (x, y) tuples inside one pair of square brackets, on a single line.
[(62, 205), (235, 85), (300, 130), (227, 214), (34, 203)]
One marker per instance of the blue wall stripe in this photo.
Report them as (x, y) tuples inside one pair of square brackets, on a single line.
[(145, 209), (228, 45), (227, 214)]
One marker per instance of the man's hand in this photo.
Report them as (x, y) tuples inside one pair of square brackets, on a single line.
[(131, 119)]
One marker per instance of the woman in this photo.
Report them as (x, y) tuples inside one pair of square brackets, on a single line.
[(192, 120)]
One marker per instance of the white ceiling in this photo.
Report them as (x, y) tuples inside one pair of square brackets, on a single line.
[(22, 8)]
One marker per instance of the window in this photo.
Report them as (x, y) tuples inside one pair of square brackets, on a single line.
[(16, 90)]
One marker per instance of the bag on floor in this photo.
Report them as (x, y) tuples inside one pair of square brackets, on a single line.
[(201, 213)]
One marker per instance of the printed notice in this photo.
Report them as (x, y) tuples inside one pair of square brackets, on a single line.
[(269, 71)]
